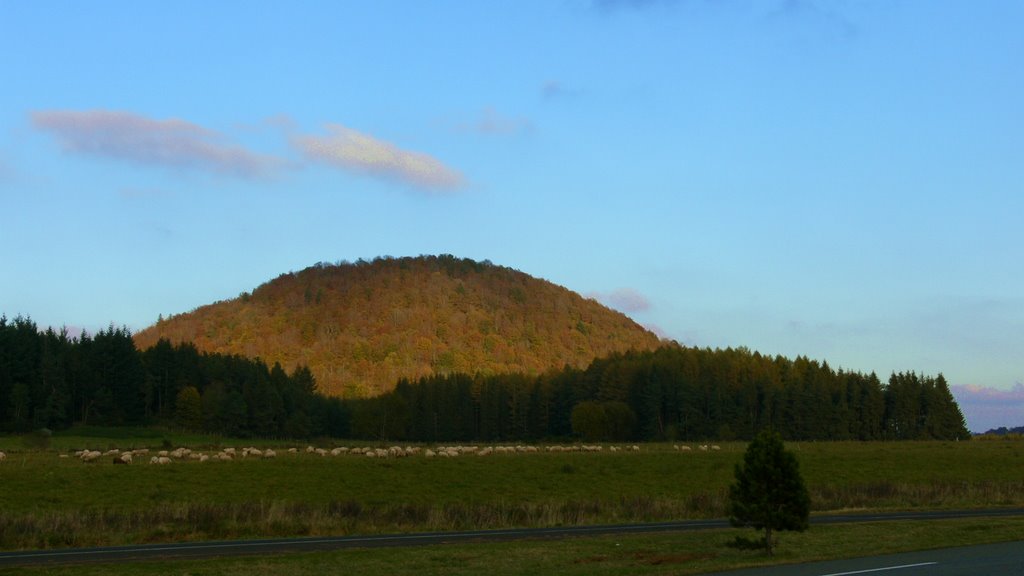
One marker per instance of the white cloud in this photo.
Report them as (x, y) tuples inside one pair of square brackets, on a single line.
[(986, 408), (626, 300), (354, 151), (172, 142)]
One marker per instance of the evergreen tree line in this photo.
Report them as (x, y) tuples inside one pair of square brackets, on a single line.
[(50, 380), (672, 393)]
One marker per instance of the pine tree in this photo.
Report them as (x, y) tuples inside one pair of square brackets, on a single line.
[(769, 493)]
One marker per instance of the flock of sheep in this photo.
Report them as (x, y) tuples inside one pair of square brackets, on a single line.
[(226, 454), (703, 447), (168, 456)]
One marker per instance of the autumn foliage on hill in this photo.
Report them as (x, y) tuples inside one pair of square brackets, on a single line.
[(360, 327)]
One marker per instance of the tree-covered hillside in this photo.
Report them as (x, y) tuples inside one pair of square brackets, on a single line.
[(361, 327)]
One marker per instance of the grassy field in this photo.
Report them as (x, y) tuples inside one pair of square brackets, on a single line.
[(49, 501), (646, 555)]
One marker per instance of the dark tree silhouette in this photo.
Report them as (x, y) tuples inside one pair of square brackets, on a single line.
[(769, 493)]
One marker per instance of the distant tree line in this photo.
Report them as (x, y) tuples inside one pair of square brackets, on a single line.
[(673, 393), (1004, 431), (50, 380)]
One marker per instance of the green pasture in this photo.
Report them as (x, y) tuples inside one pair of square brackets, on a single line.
[(50, 501)]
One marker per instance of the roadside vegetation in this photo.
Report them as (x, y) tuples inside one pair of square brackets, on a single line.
[(646, 555)]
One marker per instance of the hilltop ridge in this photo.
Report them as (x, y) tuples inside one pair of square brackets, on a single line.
[(362, 326)]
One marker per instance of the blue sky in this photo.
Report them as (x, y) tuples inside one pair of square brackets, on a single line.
[(842, 180)]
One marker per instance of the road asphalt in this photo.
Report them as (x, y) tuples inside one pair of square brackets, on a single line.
[(1002, 559)]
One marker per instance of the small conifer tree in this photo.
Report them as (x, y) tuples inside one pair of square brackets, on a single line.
[(769, 493)]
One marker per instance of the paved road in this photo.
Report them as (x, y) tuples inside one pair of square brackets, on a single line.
[(983, 560), (280, 545)]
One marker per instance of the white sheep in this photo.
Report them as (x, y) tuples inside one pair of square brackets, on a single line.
[(715, 447), (3, 456), (269, 453), (126, 458)]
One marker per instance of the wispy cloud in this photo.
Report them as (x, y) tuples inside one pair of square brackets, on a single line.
[(626, 300), (657, 330), (986, 408), (490, 122), (555, 89), (6, 172), (635, 4), (354, 151), (141, 192), (173, 143), (825, 16)]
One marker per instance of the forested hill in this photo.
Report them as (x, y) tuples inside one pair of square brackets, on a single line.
[(50, 380), (360, 327)]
